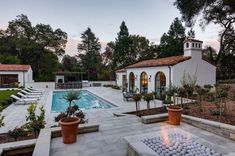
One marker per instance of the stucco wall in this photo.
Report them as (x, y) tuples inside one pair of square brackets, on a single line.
[(151, 71), (205, 72), (27, 76)]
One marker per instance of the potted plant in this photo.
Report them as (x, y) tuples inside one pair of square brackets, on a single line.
[(148, 97), (137, 97), (174, 114), (69, 123)]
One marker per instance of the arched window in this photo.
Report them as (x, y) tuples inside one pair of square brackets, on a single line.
[(131, 82), (160, 84), (143, 83)]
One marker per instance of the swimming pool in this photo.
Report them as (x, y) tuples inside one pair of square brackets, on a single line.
[(87, 101)]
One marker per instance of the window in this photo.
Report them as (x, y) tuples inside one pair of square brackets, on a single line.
[(199, 45), (196, 45), (193, 45)]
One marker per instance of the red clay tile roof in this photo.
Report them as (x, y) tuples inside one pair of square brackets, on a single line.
[(168, 61), (14, 67), (121, 70)]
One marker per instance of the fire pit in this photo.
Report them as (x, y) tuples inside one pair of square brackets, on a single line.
[(176, 144), (171, 142)]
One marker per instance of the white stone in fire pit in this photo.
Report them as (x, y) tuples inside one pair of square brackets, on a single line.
[(168, 142)]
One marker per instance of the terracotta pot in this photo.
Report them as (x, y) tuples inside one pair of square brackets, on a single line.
[(174, 115), (69, 129)]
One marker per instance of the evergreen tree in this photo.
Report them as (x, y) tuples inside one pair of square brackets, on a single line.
[(89, 54), (171, 44), (122, 55)]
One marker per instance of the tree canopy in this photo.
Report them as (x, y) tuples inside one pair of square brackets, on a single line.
[(221, 12), (38, 46), (171, 43)]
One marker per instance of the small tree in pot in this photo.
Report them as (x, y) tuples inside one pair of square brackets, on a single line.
[(69, 123), (148, 97), (137, 97)]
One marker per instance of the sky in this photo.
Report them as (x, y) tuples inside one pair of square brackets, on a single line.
[(149, 18)]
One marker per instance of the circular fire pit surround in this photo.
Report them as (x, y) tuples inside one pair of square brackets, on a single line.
[(176, 144)]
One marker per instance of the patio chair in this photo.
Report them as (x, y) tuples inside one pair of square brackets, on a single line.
[(128, 95), (29, 93), (30, 88), (28, 96), (24, 101), (32, 91)]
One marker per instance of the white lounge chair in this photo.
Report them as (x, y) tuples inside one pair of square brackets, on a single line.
[(29, 93), (30, 88), (24, 101), (32, 91), (28, 96)]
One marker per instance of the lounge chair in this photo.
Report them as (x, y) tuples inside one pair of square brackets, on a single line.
[(128, 95), (28, 96), (30, 88), (24, 101), (32, 91), (29, 93)]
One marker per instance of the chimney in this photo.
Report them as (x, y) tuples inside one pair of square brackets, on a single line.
[(193, 48)]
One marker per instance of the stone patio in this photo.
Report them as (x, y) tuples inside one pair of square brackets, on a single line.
[(109, 141)]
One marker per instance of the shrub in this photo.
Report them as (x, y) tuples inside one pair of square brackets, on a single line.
[(116, 87), (35, 122), (17, 132), (1, 121), (148, 97)]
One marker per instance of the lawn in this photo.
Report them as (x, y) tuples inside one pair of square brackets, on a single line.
[(5, 94), (5, 98)]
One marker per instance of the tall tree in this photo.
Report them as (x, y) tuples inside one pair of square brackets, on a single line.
[(122, 55), (32, 44), (171, 43), (221, 12), (89, 54), (141, 48), (69, 63)]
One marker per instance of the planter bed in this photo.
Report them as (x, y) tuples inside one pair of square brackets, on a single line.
[(193, 110), (41, 145)]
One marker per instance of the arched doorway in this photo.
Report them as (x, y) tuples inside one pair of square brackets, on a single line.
[(131, 82), (160, 85), (143, 83)]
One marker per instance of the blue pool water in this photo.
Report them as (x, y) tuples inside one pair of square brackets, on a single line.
[(86, 102)]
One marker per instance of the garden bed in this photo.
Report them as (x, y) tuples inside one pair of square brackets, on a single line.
[(5, 138), (194, 110)]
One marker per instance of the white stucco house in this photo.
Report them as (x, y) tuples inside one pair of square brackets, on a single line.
[(13, 75), (157, 74)]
